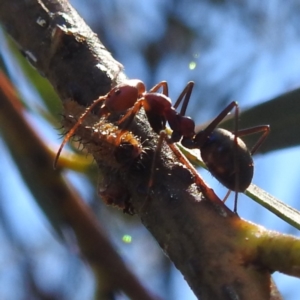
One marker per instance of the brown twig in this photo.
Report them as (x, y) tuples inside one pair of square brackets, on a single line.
[(217, 252), (59, 200)]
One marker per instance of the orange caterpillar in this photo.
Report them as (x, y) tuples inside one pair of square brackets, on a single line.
[(100, 137)]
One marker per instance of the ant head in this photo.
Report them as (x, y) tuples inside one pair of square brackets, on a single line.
[(124, 95), (200, 138), (187, 126), (182, 126)]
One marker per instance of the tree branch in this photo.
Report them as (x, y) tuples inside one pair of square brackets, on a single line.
[(59, 44), (216, 251), (57, 198)]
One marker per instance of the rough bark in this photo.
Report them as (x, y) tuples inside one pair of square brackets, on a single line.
[(216, 251)]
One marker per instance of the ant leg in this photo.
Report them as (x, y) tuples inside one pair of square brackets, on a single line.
[(226, 196), (221, 116), (262, 128), (238, 133), (73, 129), (186, 93), (164, 86), (162, 137), (128, 117), (236, 166), (235, 202)]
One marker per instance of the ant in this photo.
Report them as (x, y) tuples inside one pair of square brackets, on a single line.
[(224, 153), (132, 95), (226, 156)]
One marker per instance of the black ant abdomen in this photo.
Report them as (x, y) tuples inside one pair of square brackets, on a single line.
[(225, 154), (224, 159)]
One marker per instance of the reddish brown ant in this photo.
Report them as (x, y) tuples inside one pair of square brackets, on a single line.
[(224, 153), (132, 94)]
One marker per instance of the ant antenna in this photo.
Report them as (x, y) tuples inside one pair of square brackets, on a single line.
[(186, 93)]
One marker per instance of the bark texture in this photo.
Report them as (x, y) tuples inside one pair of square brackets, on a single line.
[(216, 251)]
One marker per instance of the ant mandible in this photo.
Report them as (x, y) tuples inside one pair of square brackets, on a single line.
[(132, 94)]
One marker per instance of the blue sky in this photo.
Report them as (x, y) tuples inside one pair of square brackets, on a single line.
[(249, 63)]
